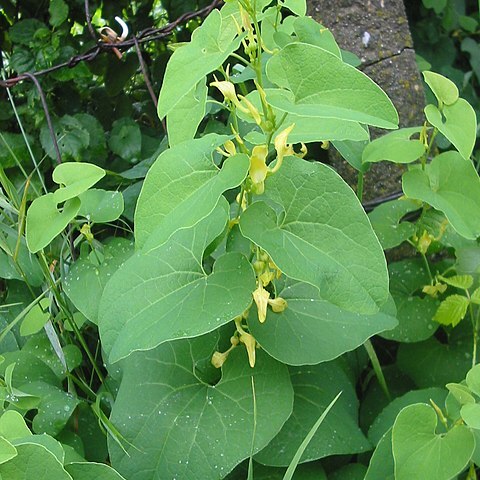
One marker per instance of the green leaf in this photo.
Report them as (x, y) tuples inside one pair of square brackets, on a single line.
[(75, 178), (33, 461), (381, 464), (475, 297), (310, 31), (414, 312), (321, 216), (126, 139), (473, 379), (7, 451), (352, 471), (311, 330), (184, 185), (45, 221), (464, 282), (13, 426), (86, 279), (101, 206), (298, 7), (92, 471), (443, 88), (162, 293), (36, 318), (450, 184), (315, 387), (397, 147), (452, 310), (58, 11), (189, 420), (386, 419), (119, 73), (211, 44), (457, 122), (461, 393), (352, 152), (13, 149), (471, 415), (22, 32), (184, 119), (434, 364), (320, 85), (387, 224), (419, 452)]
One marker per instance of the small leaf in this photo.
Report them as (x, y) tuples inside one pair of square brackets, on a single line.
[(126, 139), (473, 379), (449, 184), (298, 7), (421, 453), (101, 206), (76, 178), (45, 221), (452, 310), (470, 413), (461, 393), (443, 88), (58, 11), (13, 426), (458, 122), (475, 297), (36, 318), (397, 147)]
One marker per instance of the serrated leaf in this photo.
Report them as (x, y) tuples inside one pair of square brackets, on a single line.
[(321, 85), (452, 310), (321, 216), (464, 282), (397, 147), (450, 184), (184, 119), (162, 293), (386, 221), (211, 44), (101, 206), (311, 330), (457, 122), (315, 387), (75, 178), (45, 221), (188, 419), (443, 88), (421, 453), (86, 279), (184, 185)]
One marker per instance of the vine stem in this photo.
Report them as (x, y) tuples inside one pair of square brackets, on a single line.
[(377, 368)]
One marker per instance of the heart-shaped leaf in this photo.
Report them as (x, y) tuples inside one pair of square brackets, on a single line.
[(315, 387), (458, 122), (443, 88), (321, 85), (45, 221), (87, 277), (163, 293), (420, 452), (450, 184), (321, 216), (100, 206), (76, 178), (311, 330), (184, 185), (180, 426)]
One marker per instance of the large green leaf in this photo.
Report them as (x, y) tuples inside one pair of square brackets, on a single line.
[(211, 45), (381, 464), (92, 471), (182, 427), (386, 419), (315, 387), (184, 185), (7, 450), (163, 293), (420, 452), (322, 216), (183, 120), (321, 85), (450, 184), (45, 221), (88, 276), (458, 122), (414, 311), (311, 330)]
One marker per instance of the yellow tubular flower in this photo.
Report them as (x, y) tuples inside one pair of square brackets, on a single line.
[(258, 168), (250, 109), (283, 149), (227, 89), (261, 296), (278, 304), (250, 344)]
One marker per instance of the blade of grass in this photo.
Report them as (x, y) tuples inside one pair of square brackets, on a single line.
[(298, 454)]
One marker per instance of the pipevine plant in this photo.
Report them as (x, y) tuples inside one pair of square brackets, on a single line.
[(227, 337)]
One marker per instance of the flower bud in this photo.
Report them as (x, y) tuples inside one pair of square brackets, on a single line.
[(278, 304), (227, 89), (261, 296), (218, 358), (250, 344)]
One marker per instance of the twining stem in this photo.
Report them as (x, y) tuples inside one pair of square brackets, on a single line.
[(475, 323), (360, 186)]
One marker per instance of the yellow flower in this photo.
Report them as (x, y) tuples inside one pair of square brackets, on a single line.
[(227, 89), (250, 109), (283, 149), (258, 168), (250, 344), (261, 296), (218, 358), (278, 304)]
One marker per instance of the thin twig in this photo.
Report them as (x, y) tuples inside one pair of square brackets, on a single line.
[(143, 67), (88, 18), (47, 115)]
